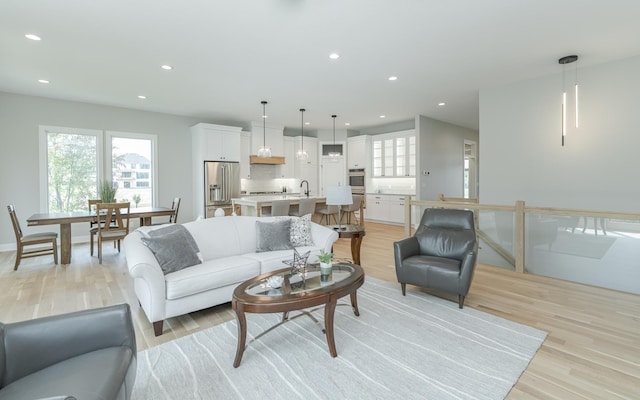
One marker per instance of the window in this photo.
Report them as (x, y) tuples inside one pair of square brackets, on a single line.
[(73, 163), (69, 175), (137, 151)]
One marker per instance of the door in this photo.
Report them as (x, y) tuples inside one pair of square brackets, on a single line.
[(332, 174)]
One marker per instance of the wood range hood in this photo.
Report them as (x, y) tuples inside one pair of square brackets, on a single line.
[(275, 160)]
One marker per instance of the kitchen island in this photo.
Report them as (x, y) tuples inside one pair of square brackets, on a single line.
[(254, 205)]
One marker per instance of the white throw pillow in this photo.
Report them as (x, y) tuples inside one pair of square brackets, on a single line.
[(300, 231)]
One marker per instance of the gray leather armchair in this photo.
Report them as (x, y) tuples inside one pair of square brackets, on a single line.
[(441, 254), (88, 354)]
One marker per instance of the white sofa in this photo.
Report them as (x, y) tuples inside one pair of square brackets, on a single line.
[(228, 250)]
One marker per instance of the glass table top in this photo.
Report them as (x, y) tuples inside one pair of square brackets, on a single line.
[(286, 283)]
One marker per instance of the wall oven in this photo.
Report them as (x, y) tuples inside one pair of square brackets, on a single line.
[(356, 180)]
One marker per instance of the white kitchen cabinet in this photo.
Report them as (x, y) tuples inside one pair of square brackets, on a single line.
[(310, 145), (271, 137), (394, 154), (358, 152), (245, 153), (216, 142), (387, 208)]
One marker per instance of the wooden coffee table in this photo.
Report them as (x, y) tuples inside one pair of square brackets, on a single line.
[(256, 296)]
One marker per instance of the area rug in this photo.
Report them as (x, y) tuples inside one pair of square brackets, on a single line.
[(413, 347)]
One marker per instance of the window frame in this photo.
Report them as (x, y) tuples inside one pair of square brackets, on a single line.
[(104, 169), (153, 138), (43, 132)]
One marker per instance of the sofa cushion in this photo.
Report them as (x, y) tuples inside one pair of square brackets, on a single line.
[(273, 260), (209, 275), (174, 250), (300, 231), (96, 375), (273, 235)]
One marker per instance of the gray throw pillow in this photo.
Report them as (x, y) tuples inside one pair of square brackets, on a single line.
[(173, 228), (273, 235), (173, 250), (300, 232)]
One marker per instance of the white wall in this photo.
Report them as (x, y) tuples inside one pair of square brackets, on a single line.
[(20, 117), (521, 157), (441, 154)]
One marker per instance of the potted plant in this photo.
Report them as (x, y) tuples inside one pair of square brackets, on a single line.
[(108, 191), (325, 266)]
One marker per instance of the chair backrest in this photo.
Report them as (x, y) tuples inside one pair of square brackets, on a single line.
[(280, 207), (92, 209), (306, 206), (118, 213), (14, 221), (355, 205), (175, 206), (446, 233)]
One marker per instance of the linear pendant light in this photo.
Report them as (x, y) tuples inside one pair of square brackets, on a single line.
[(564, 61), (264, 151), (302, 153), (334, 154)]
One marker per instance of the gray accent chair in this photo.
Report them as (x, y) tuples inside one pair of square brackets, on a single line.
[(441, 254), (87, 355)]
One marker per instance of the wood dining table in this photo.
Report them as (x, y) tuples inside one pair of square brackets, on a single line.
[(65, 219)]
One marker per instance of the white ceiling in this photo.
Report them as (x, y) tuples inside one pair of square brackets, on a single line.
[(230, 55)]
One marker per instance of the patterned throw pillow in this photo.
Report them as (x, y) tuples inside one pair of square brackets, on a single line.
[(300, 231)]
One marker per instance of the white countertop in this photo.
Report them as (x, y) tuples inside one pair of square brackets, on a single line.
[(254, 199)]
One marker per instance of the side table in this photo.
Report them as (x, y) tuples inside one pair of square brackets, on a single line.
[(356, 233)]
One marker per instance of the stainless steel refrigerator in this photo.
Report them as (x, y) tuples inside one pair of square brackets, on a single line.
[(222, 183)]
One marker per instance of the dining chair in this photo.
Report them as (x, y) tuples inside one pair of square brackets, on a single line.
[(173, 218), (350, 209), (93, 224), (326, 212), (118, 214), (305, 206), (23, 241), (280, 207)]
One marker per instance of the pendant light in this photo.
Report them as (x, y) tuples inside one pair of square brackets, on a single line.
[(564, 61), (264, 151), (334, 154), (302, 154)]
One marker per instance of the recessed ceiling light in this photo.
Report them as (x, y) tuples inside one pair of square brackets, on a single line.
[(383, 116), (167, 67), (43, 81), (307, 123), (347, 123), (393, 78), (334, 56), (442, 104), (32, 37), (142, 97)]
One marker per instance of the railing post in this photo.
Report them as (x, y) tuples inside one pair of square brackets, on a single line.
[(407, 216), (519, 233)]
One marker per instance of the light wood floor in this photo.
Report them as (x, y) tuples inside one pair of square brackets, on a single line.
[(592, 350)]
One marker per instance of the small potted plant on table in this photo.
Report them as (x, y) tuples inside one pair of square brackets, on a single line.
[(325, 266)]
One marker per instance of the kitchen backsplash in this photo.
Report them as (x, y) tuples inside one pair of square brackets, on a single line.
[(392, 185), (264, 178)]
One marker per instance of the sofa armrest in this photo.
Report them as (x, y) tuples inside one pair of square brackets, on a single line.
[(30, 346), (149, 282), (323, 237)]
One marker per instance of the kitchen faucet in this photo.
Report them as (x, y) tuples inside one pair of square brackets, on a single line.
[(306, 191)]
